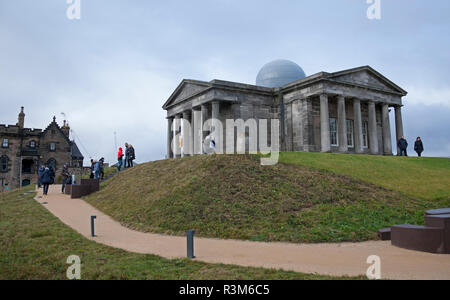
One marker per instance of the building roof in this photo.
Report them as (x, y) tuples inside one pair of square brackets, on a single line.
[(76, 153)]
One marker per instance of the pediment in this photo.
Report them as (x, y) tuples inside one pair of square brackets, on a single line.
[(368, 77), (186, 89)]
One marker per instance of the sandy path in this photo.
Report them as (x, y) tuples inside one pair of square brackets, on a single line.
[(327, 259)]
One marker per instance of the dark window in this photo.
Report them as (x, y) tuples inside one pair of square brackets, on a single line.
[(33, 145), (5, 143), (4, 164), (27, 166), (52, 146), (26, 182)]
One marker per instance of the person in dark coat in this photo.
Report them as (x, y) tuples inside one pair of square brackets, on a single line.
[(65, 177), (131, 157), (92, 169), (403, 146), (40, 172), (101, 163), (418, 146), (48, 177), (127, 156)]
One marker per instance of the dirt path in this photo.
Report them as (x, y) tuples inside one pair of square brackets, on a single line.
[(327, 259)]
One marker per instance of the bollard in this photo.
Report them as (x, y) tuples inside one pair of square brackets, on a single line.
[(92, 225), (190, 243)]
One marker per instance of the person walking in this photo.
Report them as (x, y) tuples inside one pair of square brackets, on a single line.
[(132, 156), (92, 169), (65, 177), (418, 146), (40, 172), (403, 146), (119, 159), (102, 167), (127, 156), (48, 177), (96, 169)]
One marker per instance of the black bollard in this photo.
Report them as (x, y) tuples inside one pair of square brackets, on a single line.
[(190, 243), (92, 225)]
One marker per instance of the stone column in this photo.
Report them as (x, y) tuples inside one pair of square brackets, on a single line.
[(204, 118), (373, 134), (358, 126), (215, 111), (169, 137), (324, 124), (186, 134), (387, 139), (176, 146), (196, 132), (342, 125), (398, 125)]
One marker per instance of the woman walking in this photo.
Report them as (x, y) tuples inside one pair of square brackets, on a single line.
[(418, 146), (47, 178)]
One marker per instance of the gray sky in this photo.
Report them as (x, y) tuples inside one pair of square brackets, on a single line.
[(112, 70)]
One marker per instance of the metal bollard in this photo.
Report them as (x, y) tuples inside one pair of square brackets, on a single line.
[(92, 225), (190, 243)]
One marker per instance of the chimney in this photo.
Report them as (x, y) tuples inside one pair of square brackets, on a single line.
[(21, 122), (66, 128)]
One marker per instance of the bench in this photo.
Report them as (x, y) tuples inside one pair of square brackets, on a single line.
[(441, 211), (418, 238)]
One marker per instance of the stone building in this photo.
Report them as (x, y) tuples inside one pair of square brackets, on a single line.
[(23, 150), (346, 111)]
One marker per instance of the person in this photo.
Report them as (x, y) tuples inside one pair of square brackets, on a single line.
[(119, 159), (127, 156), (66, 177), (132, 156), (418, 146), (102, 167), (92, 169), (403, 146), (48, 177), (40, 172), (96, 169)]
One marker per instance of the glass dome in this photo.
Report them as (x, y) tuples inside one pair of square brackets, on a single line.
[(278, 73)]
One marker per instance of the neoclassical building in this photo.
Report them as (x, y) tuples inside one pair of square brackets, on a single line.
[(346, 111)]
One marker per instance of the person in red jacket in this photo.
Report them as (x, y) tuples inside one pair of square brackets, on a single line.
[(119, 159)]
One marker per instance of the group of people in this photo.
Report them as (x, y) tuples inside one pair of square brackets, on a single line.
[(130, 156), (403, 146), (98, 169), (46, 177)]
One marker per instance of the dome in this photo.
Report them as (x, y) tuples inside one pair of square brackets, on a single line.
[(279, 73)]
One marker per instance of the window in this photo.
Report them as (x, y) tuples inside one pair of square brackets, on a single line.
[(365, 130), (4, 164), (33, 145), (5, 143), (350, 137), (52, 146), (333, 132)]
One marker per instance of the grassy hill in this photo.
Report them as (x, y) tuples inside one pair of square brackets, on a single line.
[(303, 199), (34, 244)]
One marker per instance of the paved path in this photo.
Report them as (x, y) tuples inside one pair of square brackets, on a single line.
[(327, 259)]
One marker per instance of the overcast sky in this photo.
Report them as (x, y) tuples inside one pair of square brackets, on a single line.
[(112, 70)]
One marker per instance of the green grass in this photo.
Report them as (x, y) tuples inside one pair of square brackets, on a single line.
[(423, 178), (234, 197), (108, 171), (35, 245)]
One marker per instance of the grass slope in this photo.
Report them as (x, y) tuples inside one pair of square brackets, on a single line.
[(235, 197), (424, 178), (35, 245)]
